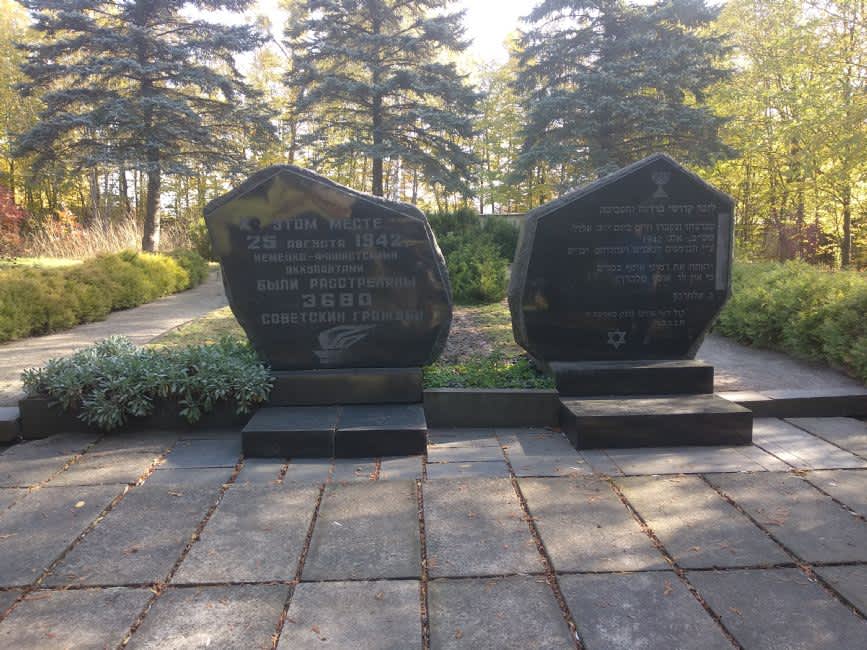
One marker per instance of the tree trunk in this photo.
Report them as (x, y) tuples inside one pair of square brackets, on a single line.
[(151, 239), (376, 185), (124, 191), (846, 244), (93, 180)]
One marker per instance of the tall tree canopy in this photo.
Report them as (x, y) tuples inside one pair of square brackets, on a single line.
[(138, 83), (372, 81), (609, 81)]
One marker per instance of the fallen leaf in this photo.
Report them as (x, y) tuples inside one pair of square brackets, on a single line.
[(667, 589), (459, 634), (175, 493), (380, 595), (735, 610), (80, 504)]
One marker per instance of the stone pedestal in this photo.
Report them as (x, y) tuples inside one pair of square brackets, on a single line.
[(682, 376)]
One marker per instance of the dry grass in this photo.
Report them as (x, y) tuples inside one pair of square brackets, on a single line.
[(210, 328), (84, 242)]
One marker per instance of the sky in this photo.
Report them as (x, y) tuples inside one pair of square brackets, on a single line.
[(488, 23)]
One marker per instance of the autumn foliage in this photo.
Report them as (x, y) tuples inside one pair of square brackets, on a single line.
[(11, 219)]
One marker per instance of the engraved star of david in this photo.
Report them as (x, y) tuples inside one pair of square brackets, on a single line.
[(616, 338)]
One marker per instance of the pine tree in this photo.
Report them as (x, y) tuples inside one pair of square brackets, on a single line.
[(609, 82), (138, 84), (371, 81)]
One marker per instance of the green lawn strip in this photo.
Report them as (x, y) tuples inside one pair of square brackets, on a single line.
[(208, 329)]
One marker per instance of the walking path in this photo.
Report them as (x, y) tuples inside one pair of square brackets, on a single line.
[(140, 324), (495, 539)]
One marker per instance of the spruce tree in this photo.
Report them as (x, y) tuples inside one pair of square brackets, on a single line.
[(138, 84), (608, 82), (371, 80)]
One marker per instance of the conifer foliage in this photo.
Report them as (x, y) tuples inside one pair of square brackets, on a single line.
[(609, 81), (372, 81), (138, 84)]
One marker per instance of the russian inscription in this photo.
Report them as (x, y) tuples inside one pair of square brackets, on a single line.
[(634, 266), (321, 276)]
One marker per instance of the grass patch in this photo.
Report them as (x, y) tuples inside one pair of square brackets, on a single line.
[(208, 329), (492, 371)]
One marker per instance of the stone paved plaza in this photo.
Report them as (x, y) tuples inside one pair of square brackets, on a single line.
[(497, 539)]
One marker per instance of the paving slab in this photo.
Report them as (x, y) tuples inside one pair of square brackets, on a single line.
[(401, 468), (550, 466), (585, 527), (260, 471), (37, 529), (366, 531), (379, 614), (239, 616), (308, 471), (848, 433), (106, 467), (8, 496), (481, 469), (685, 460), (73, 619), (601, 463), (139, 541), (800, 449), (779, 608), (849, 581), (639, 610), (803, 519), (188, 454), (449, 454), (699, 528), (353, 470), (475, 527), (31, 463), (7, 598), (462, 437), (533, 442), (189, 479), (511, 612), (255, 535), (155, 442), (849, 486)]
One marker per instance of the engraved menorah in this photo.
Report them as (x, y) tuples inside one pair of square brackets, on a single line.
[(660, 178)]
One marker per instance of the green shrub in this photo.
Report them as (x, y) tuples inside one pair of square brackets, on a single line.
[(800, 309), (485, 372), (37, 301), (477, 272), (113, 381), (503, 234)]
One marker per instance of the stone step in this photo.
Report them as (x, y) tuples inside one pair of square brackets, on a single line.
[(671, 420), (606, 378), (343, 431), (10, 423)]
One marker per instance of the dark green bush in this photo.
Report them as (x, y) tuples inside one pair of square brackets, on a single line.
[(800, 309), (113, 381), (37, 301), (477, 255)]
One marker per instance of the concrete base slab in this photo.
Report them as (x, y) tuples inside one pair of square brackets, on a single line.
[(848, 581), (196, 454), (585, 527), (803, 519), (639, 610), (240, 616), (779, 608), (848, 486), (513, 612), (697, 527), (800, 449), (73, 619), (366, 531), (598, 423), (480, 469), (848, 433), (10, 425), (383, 615), (477, 528), (597, 378), (34, 462)]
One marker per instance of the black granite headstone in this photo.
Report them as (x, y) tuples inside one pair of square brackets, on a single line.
[(320, 276), (635, 266)]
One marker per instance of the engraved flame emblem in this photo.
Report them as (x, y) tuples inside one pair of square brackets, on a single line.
[(336, 340)]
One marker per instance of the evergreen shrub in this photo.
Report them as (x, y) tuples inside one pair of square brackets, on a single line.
[(41, 300), (477, 255), (800, 309), (114, 380)]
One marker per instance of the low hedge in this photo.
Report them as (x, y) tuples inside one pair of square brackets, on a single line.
[(800, 309), (114, 381), (37, 301)]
